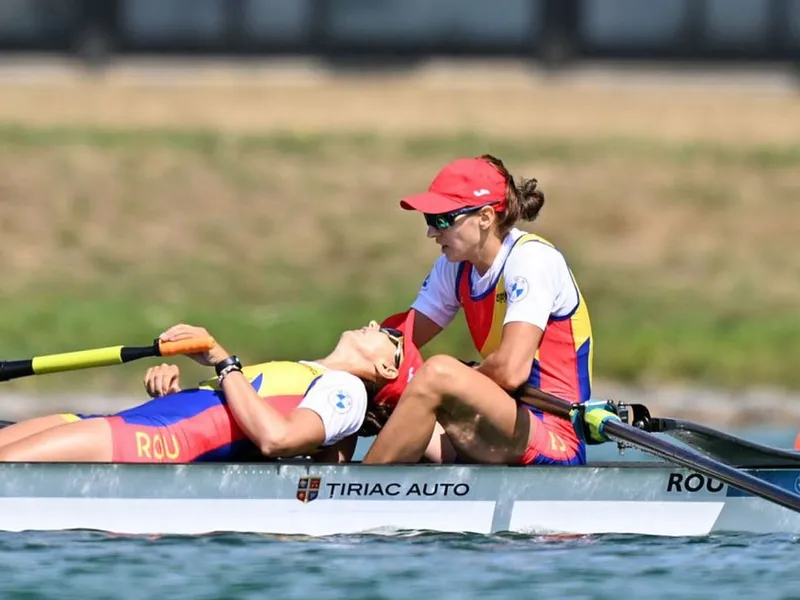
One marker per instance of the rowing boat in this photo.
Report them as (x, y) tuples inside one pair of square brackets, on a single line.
[(711, 482), (303, 498)]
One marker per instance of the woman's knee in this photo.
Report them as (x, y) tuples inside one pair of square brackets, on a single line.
[(432, 381), (439, 373)]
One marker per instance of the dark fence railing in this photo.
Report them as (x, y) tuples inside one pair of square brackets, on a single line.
[(554, 31)]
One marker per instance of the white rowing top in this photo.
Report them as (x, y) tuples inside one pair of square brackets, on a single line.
[(538, 284), (340, 400)]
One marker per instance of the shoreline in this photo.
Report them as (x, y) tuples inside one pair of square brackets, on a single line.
[(723, 409), (715, 407)]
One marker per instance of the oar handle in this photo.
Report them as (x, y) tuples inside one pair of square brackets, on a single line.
[(192, 346), (99, 357), (545, 402)]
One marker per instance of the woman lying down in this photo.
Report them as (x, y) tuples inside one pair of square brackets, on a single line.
[(270, 410)]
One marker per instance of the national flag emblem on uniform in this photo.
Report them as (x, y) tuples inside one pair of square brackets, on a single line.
[(308, 488)]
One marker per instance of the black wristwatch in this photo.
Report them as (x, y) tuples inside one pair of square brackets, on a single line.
[(226, 365)]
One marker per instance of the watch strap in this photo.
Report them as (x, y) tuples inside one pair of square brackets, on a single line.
[(225, 363)]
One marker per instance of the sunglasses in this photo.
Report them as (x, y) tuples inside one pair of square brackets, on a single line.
[(396, 336), (443, 221)]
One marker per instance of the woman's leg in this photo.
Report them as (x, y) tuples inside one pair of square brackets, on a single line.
[(81, 441), (440, 450), (483, 423), (23, 429)]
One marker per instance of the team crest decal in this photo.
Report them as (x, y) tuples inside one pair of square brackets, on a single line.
[(341, 401), (308, 488), (517, 289)]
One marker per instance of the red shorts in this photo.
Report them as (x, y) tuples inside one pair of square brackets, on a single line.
[(554, 442), (189, 426)]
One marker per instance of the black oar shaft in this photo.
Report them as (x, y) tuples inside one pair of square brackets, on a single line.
[(12, 369), (548, 403), (708, 466)]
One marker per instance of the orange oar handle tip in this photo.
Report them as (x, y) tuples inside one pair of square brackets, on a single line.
[(192, 346)]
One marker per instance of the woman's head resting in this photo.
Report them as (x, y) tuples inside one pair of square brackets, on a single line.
[(380, 353)]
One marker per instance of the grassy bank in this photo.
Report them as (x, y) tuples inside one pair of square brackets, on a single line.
[(684, 250)]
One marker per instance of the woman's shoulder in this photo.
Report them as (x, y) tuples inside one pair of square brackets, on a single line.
[(520, 238), (534, 244), (341, 379), (532, 252)]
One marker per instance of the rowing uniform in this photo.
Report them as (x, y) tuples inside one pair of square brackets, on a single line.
[(197, 425), (529, 282)]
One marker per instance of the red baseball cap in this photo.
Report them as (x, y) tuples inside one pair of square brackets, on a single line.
[(464, 183), (410, 364)]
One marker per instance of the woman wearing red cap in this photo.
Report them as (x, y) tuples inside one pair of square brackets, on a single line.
[(526, 316), (272, 409)]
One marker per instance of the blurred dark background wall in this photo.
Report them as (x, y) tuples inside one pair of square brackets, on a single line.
[(554, 32)]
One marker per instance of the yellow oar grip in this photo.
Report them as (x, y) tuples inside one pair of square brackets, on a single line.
[(83, 359)]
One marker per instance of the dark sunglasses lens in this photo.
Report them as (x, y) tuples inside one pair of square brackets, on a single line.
[(396, 336), (439, 221)]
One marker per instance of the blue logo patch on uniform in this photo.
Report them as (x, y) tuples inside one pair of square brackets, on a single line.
[(426, 282), (517, 289), (341, 401), (308, 489)]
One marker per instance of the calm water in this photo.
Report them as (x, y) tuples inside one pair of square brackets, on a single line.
[(84, 565), (94, 565)]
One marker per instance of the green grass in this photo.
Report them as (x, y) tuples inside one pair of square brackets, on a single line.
[(314, 145), (638, 339), (678, 339)]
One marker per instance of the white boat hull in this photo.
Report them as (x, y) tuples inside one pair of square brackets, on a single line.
[(306, 499)]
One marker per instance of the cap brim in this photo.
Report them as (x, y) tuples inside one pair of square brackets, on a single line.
[(412, 359), (430, 203)]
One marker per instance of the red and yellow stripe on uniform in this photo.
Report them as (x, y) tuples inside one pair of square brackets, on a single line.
[(563, 362)]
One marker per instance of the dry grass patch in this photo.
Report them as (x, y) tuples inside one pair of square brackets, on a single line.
[(332, 217), (512, 108)]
